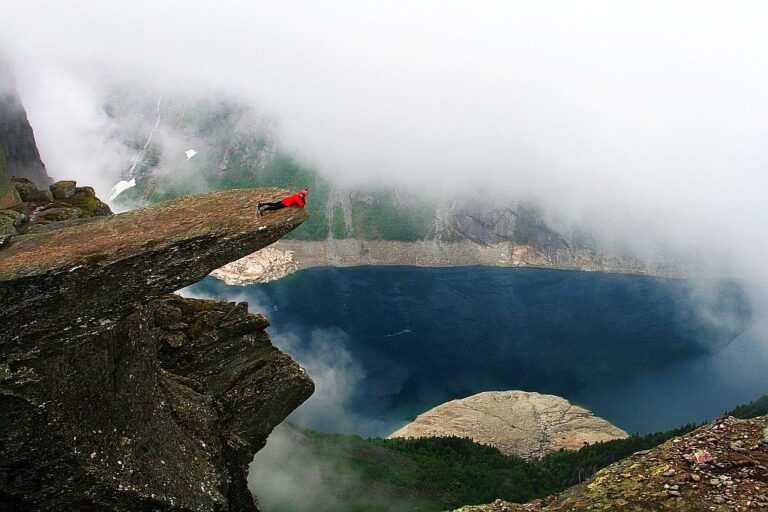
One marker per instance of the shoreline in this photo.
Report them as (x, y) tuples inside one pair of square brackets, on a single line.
[(288, 256)]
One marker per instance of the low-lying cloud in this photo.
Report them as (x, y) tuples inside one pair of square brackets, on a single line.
[(646, 122)]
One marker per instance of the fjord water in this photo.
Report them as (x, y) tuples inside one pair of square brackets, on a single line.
[(387, 343)]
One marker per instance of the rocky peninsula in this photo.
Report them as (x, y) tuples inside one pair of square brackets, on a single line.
[(528, 425)]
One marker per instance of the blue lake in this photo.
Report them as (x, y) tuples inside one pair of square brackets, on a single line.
[(387, 343)]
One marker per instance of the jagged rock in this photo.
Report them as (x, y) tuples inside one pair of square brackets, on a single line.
[(63, 189), (529, 425), (100, 411), (728, 488)]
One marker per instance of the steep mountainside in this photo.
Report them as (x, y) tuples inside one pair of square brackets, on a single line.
[(349, 226), (529, 425), (116, 396), (17, 141)]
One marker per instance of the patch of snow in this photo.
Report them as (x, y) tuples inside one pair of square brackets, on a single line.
[(120, 187)]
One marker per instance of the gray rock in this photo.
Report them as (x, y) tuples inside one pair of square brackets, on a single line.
[(63, 189), (23, 186), (7, 227), (37, 196), (17, 139), (97, 412), (17, 217)]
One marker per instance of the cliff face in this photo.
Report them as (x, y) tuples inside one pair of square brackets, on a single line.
[(8, 195), (528, 425), (117, 396), (17, 141)]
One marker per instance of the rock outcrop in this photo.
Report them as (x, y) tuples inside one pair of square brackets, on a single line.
[(61, 205), (17, 140), (721, 467), (529, 425), (263, 266), (115, 395)]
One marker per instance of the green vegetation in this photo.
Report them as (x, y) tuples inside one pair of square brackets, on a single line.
[(753, 409), (235, 153), (445, 473), (381, 215)]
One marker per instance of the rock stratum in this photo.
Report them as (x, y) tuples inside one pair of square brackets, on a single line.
[(117, 395), (720, 467), (528, 425)]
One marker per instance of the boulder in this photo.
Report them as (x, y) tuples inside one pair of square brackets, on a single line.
[(17, 217), (85, 199), (24, 186), (63, 189)]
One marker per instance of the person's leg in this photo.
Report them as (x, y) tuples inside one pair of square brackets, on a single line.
[(265, 207)]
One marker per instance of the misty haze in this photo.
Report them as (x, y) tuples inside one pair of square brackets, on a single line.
[(365, 256)]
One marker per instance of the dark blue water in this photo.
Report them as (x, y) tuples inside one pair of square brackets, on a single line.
[(387, 343)]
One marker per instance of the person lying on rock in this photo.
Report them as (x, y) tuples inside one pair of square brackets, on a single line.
[(299, 200)]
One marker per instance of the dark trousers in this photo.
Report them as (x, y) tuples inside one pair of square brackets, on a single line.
[(265, 207)]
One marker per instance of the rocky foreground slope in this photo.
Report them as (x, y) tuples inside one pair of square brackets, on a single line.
[(721, 467), (115, 395), (529, 425)]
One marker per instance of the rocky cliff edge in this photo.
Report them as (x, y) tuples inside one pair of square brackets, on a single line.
[(720, 467), (116, 395)]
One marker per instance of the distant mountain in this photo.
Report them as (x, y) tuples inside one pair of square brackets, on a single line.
[(234, 148), (17, 140)]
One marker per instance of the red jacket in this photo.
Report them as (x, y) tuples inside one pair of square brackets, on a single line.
[(299, 199)]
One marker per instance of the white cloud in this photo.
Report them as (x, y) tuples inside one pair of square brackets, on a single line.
[(645, 121)]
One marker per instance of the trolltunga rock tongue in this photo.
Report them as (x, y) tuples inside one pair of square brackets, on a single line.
[(117, 396), (104, 268)]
